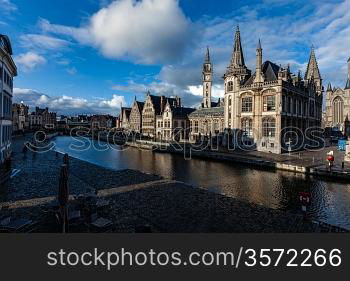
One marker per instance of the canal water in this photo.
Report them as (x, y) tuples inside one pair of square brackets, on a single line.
[(330, 202)]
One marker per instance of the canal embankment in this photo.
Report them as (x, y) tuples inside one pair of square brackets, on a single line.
[(305, 162), (128, 201)]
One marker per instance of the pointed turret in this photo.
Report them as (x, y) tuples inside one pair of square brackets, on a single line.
[(237, 59), (258, 73), (312, 69), (237, 65), (258, 47), (329, 87), (313, 72), (207, 56)]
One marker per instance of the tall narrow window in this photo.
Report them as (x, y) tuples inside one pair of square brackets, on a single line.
[(247, 104), (247, 127), (230, 86), (269, 127), (269, 103), (338, 107)]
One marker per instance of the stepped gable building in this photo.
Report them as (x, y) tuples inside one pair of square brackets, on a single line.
[(173, 123), (338, 107), (154, 106), (208, 120), (8, 70), (125, 117), (271, 100), (136, 116)]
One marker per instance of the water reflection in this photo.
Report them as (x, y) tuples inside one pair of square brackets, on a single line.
[(279, 190)]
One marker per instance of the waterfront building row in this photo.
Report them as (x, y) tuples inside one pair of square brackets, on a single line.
[(40, 118), (159, 117), (8, 70)]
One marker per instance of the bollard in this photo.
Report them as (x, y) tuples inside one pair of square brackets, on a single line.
[(8, 164), (342, 165), (63, 196), (66, 161)]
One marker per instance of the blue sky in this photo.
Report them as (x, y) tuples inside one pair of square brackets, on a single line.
[(89, 56)]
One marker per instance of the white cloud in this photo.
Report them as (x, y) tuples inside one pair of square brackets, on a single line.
[(189, 98), (114, 103), (72, 71), (44, 42), (7, 6), (67, 104), (30, 60), (63, 61), (147, 31)]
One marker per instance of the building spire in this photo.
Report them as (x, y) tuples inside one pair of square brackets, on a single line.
[(258, 72), (237, 59), (207, 56), (312, 70), (329, 87), (259, 45)]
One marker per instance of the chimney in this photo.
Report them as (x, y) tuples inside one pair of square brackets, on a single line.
[(162, 103), (178, 101)]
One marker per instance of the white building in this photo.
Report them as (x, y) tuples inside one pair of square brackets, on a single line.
[(7, 71)]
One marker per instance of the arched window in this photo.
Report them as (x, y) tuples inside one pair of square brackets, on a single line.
[(247, 127), (230, 86), (338, 109), (269, 127)]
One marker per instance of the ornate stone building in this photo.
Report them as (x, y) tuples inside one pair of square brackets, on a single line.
[(154, 106), (42, 119), (136, 116), (264, 106), (209, 119), (173, 123), (7, 71), (338, 106), (20, 117)]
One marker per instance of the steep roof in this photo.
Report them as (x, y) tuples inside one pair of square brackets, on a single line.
[(157, 102), (270, 71), (127, 111), (182, 111), (312, 70), (6, 43), (139, 105), (214, 111)]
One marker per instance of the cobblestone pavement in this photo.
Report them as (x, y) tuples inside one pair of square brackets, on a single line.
[(129, 201), (39, 173)]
